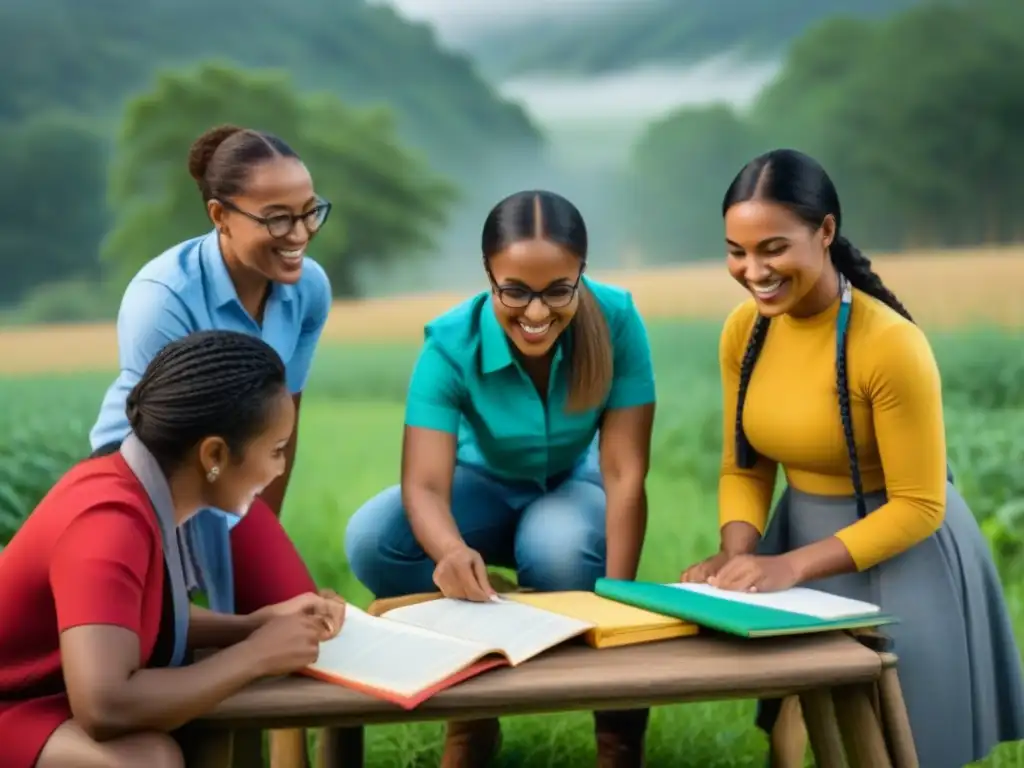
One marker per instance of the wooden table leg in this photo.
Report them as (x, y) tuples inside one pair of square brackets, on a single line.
[(895, 721), (859, 725), (822, 728), (341, 748), (287, 749)]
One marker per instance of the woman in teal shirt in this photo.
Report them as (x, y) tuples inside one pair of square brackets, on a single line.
[(527, 437)]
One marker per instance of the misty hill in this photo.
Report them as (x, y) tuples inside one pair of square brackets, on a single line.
[(624, 36), (88, 56)]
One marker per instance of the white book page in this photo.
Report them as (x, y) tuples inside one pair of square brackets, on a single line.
[(809, 602), (522, 631), (391, 656)]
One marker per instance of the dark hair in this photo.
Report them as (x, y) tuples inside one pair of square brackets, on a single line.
[(799, 183), (220, 159), (204, 384), (548, 216)]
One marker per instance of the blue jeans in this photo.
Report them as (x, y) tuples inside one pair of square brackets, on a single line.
[(555, 540)]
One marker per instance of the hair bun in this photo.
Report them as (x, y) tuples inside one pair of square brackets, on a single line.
[(201, 152)]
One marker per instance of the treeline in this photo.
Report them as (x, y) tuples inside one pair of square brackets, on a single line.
[(658, 32), (81, 94), (916, 117)]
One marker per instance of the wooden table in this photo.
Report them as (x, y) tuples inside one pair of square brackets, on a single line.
[(836, 677)]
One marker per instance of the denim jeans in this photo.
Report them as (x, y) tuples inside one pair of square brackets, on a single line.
[(554, 539)]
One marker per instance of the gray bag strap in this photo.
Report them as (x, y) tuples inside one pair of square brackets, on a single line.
[(145, 467)]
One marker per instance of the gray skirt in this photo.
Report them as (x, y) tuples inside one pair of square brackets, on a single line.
[(959, 666)]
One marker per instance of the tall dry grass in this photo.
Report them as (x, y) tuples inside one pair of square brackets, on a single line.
[(942, 290)]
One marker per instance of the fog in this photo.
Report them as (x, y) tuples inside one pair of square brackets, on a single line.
[(458, 21), (595, 120), (590, 122)]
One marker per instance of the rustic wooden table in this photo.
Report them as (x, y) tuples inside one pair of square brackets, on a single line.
[(849, 695)]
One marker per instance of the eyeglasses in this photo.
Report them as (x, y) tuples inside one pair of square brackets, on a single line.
[(282, 224), (520, 297)]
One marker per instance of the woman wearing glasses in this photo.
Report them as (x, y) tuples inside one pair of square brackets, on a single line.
[(500, 463), (249, 274)]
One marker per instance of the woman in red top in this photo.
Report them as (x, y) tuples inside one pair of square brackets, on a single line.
[(95, 623)]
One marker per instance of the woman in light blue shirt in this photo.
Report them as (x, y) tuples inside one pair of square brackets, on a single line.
[(249, 274), (527, 436)]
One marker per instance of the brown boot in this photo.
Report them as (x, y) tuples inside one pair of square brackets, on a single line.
[(471, 743), (620, 738)]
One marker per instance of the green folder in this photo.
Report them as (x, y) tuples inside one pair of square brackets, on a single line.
[(735, 618)]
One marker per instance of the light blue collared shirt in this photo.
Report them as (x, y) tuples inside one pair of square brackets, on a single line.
[(467, 381), (187, 289)]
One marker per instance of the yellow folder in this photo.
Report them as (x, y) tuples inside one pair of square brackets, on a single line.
[(617, 623)]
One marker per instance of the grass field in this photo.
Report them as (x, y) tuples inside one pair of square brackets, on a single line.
[(943, 289), (349, 450)]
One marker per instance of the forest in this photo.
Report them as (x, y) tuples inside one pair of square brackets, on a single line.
[(914, 109)]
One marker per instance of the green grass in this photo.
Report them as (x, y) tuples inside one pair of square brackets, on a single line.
[(349, 446)]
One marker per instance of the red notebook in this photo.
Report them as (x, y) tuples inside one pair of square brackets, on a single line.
[(408, 654)]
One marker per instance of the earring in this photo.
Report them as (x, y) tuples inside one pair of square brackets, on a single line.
[(212, 475)]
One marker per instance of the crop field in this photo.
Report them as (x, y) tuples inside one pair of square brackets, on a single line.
[(351, 431), (945, 289)]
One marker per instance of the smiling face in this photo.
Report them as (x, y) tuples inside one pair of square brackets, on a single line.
[(278, 187), (779, 258), (536, 266), (240, 479)]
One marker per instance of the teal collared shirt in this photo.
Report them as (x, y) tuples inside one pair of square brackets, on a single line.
[(468, 382)]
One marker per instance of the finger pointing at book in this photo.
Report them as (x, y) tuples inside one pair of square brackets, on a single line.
[(461, 574)]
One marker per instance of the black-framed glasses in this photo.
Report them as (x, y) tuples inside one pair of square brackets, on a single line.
[(282, 224), (520, 296)]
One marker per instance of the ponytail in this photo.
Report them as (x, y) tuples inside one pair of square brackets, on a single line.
[(592, 355)]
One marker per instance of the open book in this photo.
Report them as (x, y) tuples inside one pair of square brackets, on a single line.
[(408, 654), (787, 612)]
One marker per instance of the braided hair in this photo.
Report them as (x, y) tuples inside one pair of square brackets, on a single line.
[(798, 182), (204, 384)]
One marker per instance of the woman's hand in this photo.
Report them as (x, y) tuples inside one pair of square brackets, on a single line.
[(756, 573), (699, 573), (462, 574), (324, 605)]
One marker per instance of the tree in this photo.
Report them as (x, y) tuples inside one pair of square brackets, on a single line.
[(49, 229), (915, 118), (920, 130), (387, 201)]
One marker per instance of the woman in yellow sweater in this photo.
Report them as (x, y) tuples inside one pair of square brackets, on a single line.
[(825, 373)]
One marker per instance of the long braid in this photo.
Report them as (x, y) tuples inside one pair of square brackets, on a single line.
[(856, 267), (746, 456), (846, 416), (207, 383)]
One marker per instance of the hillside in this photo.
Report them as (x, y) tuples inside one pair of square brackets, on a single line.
[(661, 31), (87, 56)]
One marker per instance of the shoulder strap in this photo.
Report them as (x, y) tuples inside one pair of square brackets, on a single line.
[(145, 468)]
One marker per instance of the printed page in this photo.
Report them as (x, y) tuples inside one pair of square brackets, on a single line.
[(520, 630), (810, 602), (393, 657)]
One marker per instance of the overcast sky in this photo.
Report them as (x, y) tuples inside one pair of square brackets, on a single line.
[(457, 20)]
